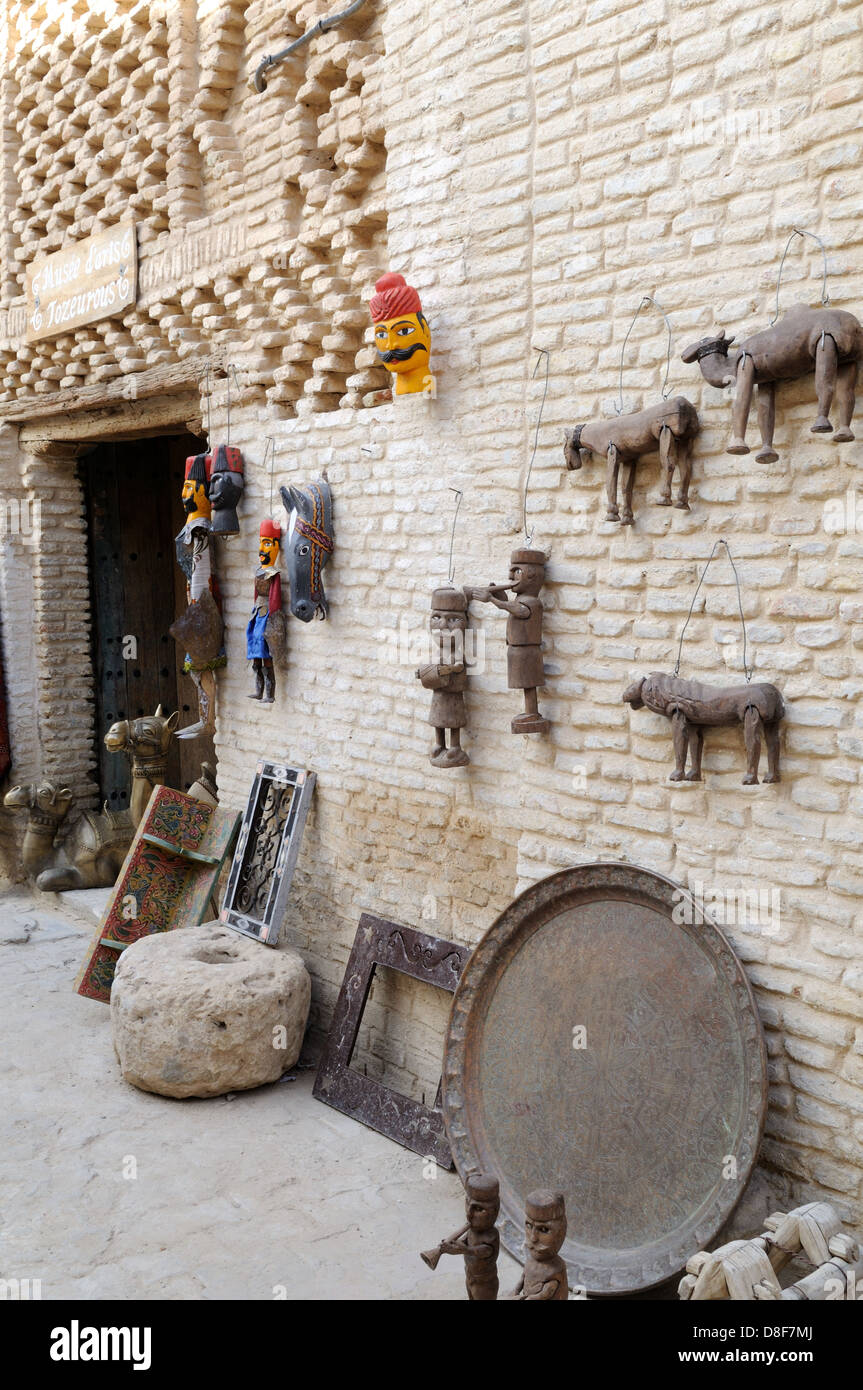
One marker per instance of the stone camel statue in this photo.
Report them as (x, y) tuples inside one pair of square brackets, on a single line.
[(830, 340), (89, 856), (669, 426), (692, 706), (90, 852)]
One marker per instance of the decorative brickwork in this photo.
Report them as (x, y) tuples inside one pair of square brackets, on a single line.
[(547, 164)]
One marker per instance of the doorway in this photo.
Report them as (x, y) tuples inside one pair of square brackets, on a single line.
[(137, 589)]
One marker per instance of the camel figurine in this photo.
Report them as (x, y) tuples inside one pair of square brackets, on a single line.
[(831, 340), (91, 854), (146, 742), (671, 426), (692, 706)]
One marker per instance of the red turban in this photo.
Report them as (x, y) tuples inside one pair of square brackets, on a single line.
[(270, 531), (393, 297)]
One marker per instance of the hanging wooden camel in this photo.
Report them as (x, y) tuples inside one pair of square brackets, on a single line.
[(670, 426), (828, 341), (693, 706)]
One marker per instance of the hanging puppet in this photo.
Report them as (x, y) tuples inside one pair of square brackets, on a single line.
[(226, 488), (200, 630), (447, 676), (265, 634), (523, 632), (402, 335), (308, 547)]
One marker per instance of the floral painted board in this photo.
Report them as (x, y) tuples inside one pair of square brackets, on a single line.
[(167, 881)]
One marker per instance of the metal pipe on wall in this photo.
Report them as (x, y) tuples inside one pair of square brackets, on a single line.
[(322, 26)]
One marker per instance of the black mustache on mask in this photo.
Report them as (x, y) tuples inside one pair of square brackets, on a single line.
[(401, 354)]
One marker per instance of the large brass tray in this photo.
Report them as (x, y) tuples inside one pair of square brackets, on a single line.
[(602, 1043)]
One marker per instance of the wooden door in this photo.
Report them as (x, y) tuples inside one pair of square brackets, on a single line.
[(137, 590)]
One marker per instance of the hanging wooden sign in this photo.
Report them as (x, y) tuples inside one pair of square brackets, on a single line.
[(92, 279)]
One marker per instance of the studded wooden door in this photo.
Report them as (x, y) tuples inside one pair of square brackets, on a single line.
[(134, 512)]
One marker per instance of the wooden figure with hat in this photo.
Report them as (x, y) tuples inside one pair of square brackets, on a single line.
[(545, 1274), (523, 632), (478, 1240), (402, 335), (266, 630), (447, 676)]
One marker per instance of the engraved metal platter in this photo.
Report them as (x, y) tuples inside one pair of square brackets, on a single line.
[(604, 1040)]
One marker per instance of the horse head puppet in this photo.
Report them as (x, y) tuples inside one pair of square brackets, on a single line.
[(308, 546)]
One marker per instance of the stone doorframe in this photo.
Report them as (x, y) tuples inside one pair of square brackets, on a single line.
[(53, 433)]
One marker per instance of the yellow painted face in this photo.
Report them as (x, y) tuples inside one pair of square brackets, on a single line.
[(195, 499), (404, 343), (268, 551)]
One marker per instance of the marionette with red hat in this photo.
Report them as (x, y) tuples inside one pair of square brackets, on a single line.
[(265, 633)]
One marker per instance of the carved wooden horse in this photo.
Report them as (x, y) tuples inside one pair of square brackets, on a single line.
[(308, 546), (671, 426), (691, 706), (146, 742), (830, 340)]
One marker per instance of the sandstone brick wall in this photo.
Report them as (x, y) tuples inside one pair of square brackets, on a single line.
[(546, 166)]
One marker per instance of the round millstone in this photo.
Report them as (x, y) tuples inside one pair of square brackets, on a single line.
[(203, 1011)]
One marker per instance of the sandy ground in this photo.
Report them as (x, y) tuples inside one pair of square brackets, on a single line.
[(108, 1192)]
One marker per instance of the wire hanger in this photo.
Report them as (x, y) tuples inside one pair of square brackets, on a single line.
[(645, 300), (747, 670), (825, 298)]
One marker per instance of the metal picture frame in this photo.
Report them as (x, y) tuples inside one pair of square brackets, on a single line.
[(428, 958), (270, 836)]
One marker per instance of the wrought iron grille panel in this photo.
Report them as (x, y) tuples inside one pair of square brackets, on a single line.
[(267, 850)]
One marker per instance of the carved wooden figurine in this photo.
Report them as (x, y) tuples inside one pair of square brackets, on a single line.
[(447, 676), (692, 706), (200, 629), (828, 340), (545, 1276), (226, 488), (669, 426), (478, 1240), (402, 334), (749, 1269), (523, 632), (265, 633)]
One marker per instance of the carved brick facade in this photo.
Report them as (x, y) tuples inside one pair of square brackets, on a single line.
[(534, 169)]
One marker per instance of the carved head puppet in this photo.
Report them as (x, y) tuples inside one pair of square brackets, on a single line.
[(448, 622), (544, 1224), (482, 1201), (308, 546), (196, 489), (402, 334), (526, 572), (270, 543), (226, 489)]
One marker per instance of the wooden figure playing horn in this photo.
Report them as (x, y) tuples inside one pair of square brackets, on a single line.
[(524, 664)]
